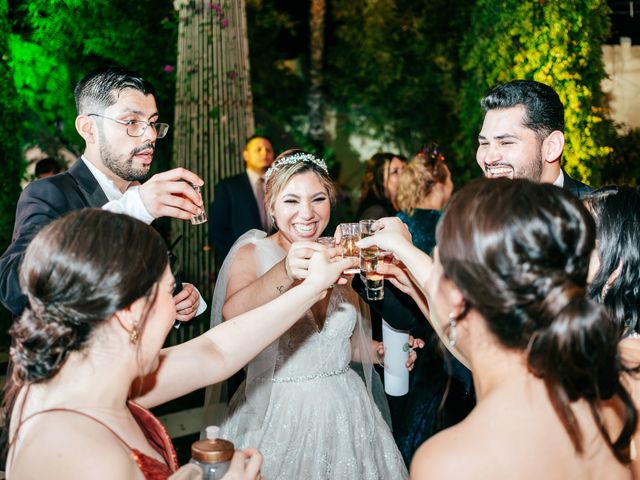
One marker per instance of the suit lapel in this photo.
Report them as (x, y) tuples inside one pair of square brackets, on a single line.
[(88, 184)]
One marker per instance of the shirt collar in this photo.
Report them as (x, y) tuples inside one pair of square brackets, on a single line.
[(559, 182), (109, 188)]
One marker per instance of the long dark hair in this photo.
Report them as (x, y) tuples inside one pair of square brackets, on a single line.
[(522, 264), (373, 186), (617, 214), (77, 272)]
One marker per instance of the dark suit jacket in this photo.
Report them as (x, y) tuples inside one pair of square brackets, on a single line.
[(576, 187), (41, 202), (234, 211)]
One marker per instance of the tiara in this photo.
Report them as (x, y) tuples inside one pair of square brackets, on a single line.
[(296, 158)]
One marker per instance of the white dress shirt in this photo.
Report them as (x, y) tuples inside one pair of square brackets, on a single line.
[(130, 204)]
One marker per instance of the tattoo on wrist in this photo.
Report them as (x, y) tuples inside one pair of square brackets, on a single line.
[(281, 289)]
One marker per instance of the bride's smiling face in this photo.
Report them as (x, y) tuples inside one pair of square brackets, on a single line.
[(302, 208)]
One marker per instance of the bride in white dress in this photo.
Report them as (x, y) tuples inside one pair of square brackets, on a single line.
[(311, 416)]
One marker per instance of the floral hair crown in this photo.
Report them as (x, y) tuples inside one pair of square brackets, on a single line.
[(296, 158)]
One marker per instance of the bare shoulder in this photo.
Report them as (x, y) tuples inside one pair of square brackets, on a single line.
[(439, 457), (65, 445)]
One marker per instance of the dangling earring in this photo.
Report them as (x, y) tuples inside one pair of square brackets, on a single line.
[(133, 336), (274, 227), (605, 290), (452, 329)]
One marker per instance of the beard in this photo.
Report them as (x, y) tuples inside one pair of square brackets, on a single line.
[(533, 170), (123, 167)]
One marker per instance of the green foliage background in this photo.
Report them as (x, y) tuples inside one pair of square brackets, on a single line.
[(10, 142), (557, 43), (56, 42), (406, 72), (393, 68)]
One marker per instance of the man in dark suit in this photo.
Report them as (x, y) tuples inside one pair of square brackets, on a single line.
[(238, 205), (522, 135), (118, 119)]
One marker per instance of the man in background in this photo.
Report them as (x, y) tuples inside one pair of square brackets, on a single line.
[(238, 205), (47, 167), (522, 135)]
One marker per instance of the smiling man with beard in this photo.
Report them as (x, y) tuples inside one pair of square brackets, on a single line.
[(522, 135), (118, 120)]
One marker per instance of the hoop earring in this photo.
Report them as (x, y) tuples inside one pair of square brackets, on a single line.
[(452, 329)]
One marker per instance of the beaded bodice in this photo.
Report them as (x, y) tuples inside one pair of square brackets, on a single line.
[(308, 350)]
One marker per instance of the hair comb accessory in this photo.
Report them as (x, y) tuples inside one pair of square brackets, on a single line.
[(296, 158), (432, 153)]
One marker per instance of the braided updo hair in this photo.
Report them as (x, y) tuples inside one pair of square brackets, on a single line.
[(77, 272), (521, 261)]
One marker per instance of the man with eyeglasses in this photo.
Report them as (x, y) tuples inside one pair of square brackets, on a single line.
[(118, 120)]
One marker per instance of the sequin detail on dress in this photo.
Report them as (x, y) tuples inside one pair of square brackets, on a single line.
[(320, 422)]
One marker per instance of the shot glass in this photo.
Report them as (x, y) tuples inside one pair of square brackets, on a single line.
[(373, 281), (329, 242), (369, 255), (374, 286), (349, 236), (201, 217)]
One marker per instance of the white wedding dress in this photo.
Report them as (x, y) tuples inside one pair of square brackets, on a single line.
[(318, 420)]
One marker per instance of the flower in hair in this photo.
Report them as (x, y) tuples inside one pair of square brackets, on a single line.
[(296, 158)]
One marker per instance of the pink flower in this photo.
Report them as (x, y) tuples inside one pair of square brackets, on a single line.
[(232, 75), (168, 68), (224, 23)]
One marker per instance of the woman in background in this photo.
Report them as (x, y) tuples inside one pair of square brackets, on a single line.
[(424, 188), (614, 272), (441, 388), (380, 186)]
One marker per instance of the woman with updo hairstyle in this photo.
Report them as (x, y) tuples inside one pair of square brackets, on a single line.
[(87, 358), (507, 291), (380, 186), (424, 188), (302, 404)]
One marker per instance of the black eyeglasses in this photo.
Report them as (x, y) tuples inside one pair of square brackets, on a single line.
[(136, 128)]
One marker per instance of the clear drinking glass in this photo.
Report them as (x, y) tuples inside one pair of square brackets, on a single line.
[(349, 236), (373, 281), (202, 216), (329, 242), (374, 286)]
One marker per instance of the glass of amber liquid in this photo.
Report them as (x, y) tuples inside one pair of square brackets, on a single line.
[(349, 236), (373, 281)]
